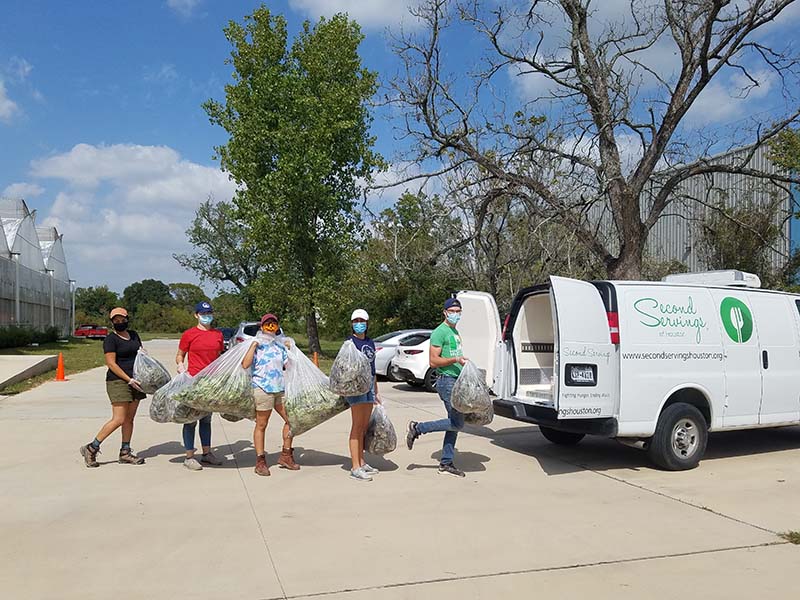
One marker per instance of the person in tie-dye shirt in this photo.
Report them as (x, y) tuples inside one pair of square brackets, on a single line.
[(267, 356)]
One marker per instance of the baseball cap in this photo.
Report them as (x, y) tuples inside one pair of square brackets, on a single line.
[(203, 307), (268, 317), (359, 313), (118, 311), (451, 302)]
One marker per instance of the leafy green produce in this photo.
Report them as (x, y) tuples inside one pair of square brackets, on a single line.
[(165, 409), (480, 419), (470, 392), (309, 401), (381, 437), (351, 372), (150, 373)]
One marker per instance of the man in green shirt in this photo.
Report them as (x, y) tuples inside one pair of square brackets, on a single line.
[(447, 358)]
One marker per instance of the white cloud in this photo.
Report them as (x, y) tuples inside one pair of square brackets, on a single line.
[(724, 100), (166, 73), (19, 68), (23, 190), (125, 208), (8, 108), (184, 8), (370, 14)]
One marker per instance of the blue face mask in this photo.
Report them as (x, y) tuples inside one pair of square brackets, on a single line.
[(206, 319), (359, 327), (453, 318)]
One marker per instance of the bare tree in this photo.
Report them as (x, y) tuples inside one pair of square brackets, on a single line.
[(608, 114)]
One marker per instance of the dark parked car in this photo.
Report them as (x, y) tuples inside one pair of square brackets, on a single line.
[(227, 334)]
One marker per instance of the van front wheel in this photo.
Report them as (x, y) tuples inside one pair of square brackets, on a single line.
[(680, 438), (562, 438)]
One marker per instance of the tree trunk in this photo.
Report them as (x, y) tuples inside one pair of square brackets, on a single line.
[(312, 331), (628, 265)]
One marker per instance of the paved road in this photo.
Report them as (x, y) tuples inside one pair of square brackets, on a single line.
[(529, 519)]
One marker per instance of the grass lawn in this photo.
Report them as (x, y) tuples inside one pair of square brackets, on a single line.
[(329, 349), (79, 355)]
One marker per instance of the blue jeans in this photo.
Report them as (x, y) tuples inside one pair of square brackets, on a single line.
[(205, 433), (451, 425)]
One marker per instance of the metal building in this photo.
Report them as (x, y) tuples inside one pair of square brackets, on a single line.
[(35, 289), (676, 235)]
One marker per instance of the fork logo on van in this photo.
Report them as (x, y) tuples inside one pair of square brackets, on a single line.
[(737, 319)]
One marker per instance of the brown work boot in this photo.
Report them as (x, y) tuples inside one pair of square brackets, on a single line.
[(126, 457), (261, 466), (287, 460), (89, 455)]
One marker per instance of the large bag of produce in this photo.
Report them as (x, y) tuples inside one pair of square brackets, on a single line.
[(150, 373), (351, 372), (224, 386), (165, 409), (470, 392), (381, 437), (480, 418), (309, 400)]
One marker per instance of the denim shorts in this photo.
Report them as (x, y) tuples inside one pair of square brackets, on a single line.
[(368, 398)]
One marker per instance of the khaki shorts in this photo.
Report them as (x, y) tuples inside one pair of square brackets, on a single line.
[(120, 391), (266, 400)]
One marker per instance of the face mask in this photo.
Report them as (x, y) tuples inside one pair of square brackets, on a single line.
[(120, 326), (359, 327), (270, 328), (206, 319), (453, 318)]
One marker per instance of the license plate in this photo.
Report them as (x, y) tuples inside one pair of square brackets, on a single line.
[(581, 374)]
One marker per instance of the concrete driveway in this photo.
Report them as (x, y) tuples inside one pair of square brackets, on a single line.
[(530, 519)]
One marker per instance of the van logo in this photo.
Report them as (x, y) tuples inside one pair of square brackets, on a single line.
[(672, 319), (737, 319)]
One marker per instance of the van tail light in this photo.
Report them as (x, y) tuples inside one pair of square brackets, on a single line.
[(412, 352), (239, 339), (613, 326), (505, 326), (378, 348)]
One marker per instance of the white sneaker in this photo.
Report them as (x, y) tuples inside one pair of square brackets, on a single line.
[(360, 474), (192, 464), (369, 469)]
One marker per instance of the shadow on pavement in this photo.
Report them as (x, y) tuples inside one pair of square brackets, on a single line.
[(600, 454), (171, 448), (469, 462)]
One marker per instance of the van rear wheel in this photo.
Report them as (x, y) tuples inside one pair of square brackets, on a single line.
[(562, 438), (680, 438)]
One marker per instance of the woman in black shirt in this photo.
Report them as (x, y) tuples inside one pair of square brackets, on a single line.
[(124, 392)]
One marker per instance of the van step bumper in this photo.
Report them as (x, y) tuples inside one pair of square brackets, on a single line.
[(542, 415)]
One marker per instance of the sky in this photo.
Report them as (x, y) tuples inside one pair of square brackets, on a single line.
[(103, 134)]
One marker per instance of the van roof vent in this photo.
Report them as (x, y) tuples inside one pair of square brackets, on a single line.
[(728, 277)]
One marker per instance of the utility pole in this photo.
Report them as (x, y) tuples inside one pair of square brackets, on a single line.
[(72, 283), (51, 272), (16, 256)]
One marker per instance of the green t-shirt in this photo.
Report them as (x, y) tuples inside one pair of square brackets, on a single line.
[(447, 338)]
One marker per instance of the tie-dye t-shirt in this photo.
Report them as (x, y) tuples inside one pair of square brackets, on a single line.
[(268, 365)]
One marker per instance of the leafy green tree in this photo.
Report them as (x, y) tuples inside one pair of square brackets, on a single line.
[(785, 150), (222, 252), (230, 309), (154, 317), (187, 295), (147, 290), (300, 149), (95, 303)]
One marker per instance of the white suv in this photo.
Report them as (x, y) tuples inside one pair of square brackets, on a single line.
[(411, 362)]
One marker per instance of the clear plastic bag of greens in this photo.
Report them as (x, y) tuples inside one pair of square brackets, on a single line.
[(381, 437), (165, 409), (479, 419), (309, 400), (470, 392), (351, 372), (150, 373), (224, 386)]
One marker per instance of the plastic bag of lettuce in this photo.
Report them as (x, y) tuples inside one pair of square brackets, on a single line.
[(351, 372), (224, 386), (381, 437), (470, 395), (150, 373), (165, 409), (309, 400)]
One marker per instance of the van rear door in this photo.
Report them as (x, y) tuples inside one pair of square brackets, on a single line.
[(587, 380), (481, 334)]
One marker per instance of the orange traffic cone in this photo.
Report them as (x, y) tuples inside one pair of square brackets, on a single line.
[(60, 368), (316, 359)]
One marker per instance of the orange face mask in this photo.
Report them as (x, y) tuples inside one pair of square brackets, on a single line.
[(270, 327)]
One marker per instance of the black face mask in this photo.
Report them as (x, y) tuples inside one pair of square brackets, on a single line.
[(121, 326)]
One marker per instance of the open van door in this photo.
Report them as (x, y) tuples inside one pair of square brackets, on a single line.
[(587, 380), (481, 334)]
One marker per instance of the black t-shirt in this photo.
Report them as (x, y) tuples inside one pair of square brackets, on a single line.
[(126, 352)]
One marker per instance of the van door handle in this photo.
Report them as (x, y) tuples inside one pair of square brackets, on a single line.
[(765, 359)]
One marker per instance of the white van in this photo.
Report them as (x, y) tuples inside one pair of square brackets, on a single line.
[(656, 365)]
